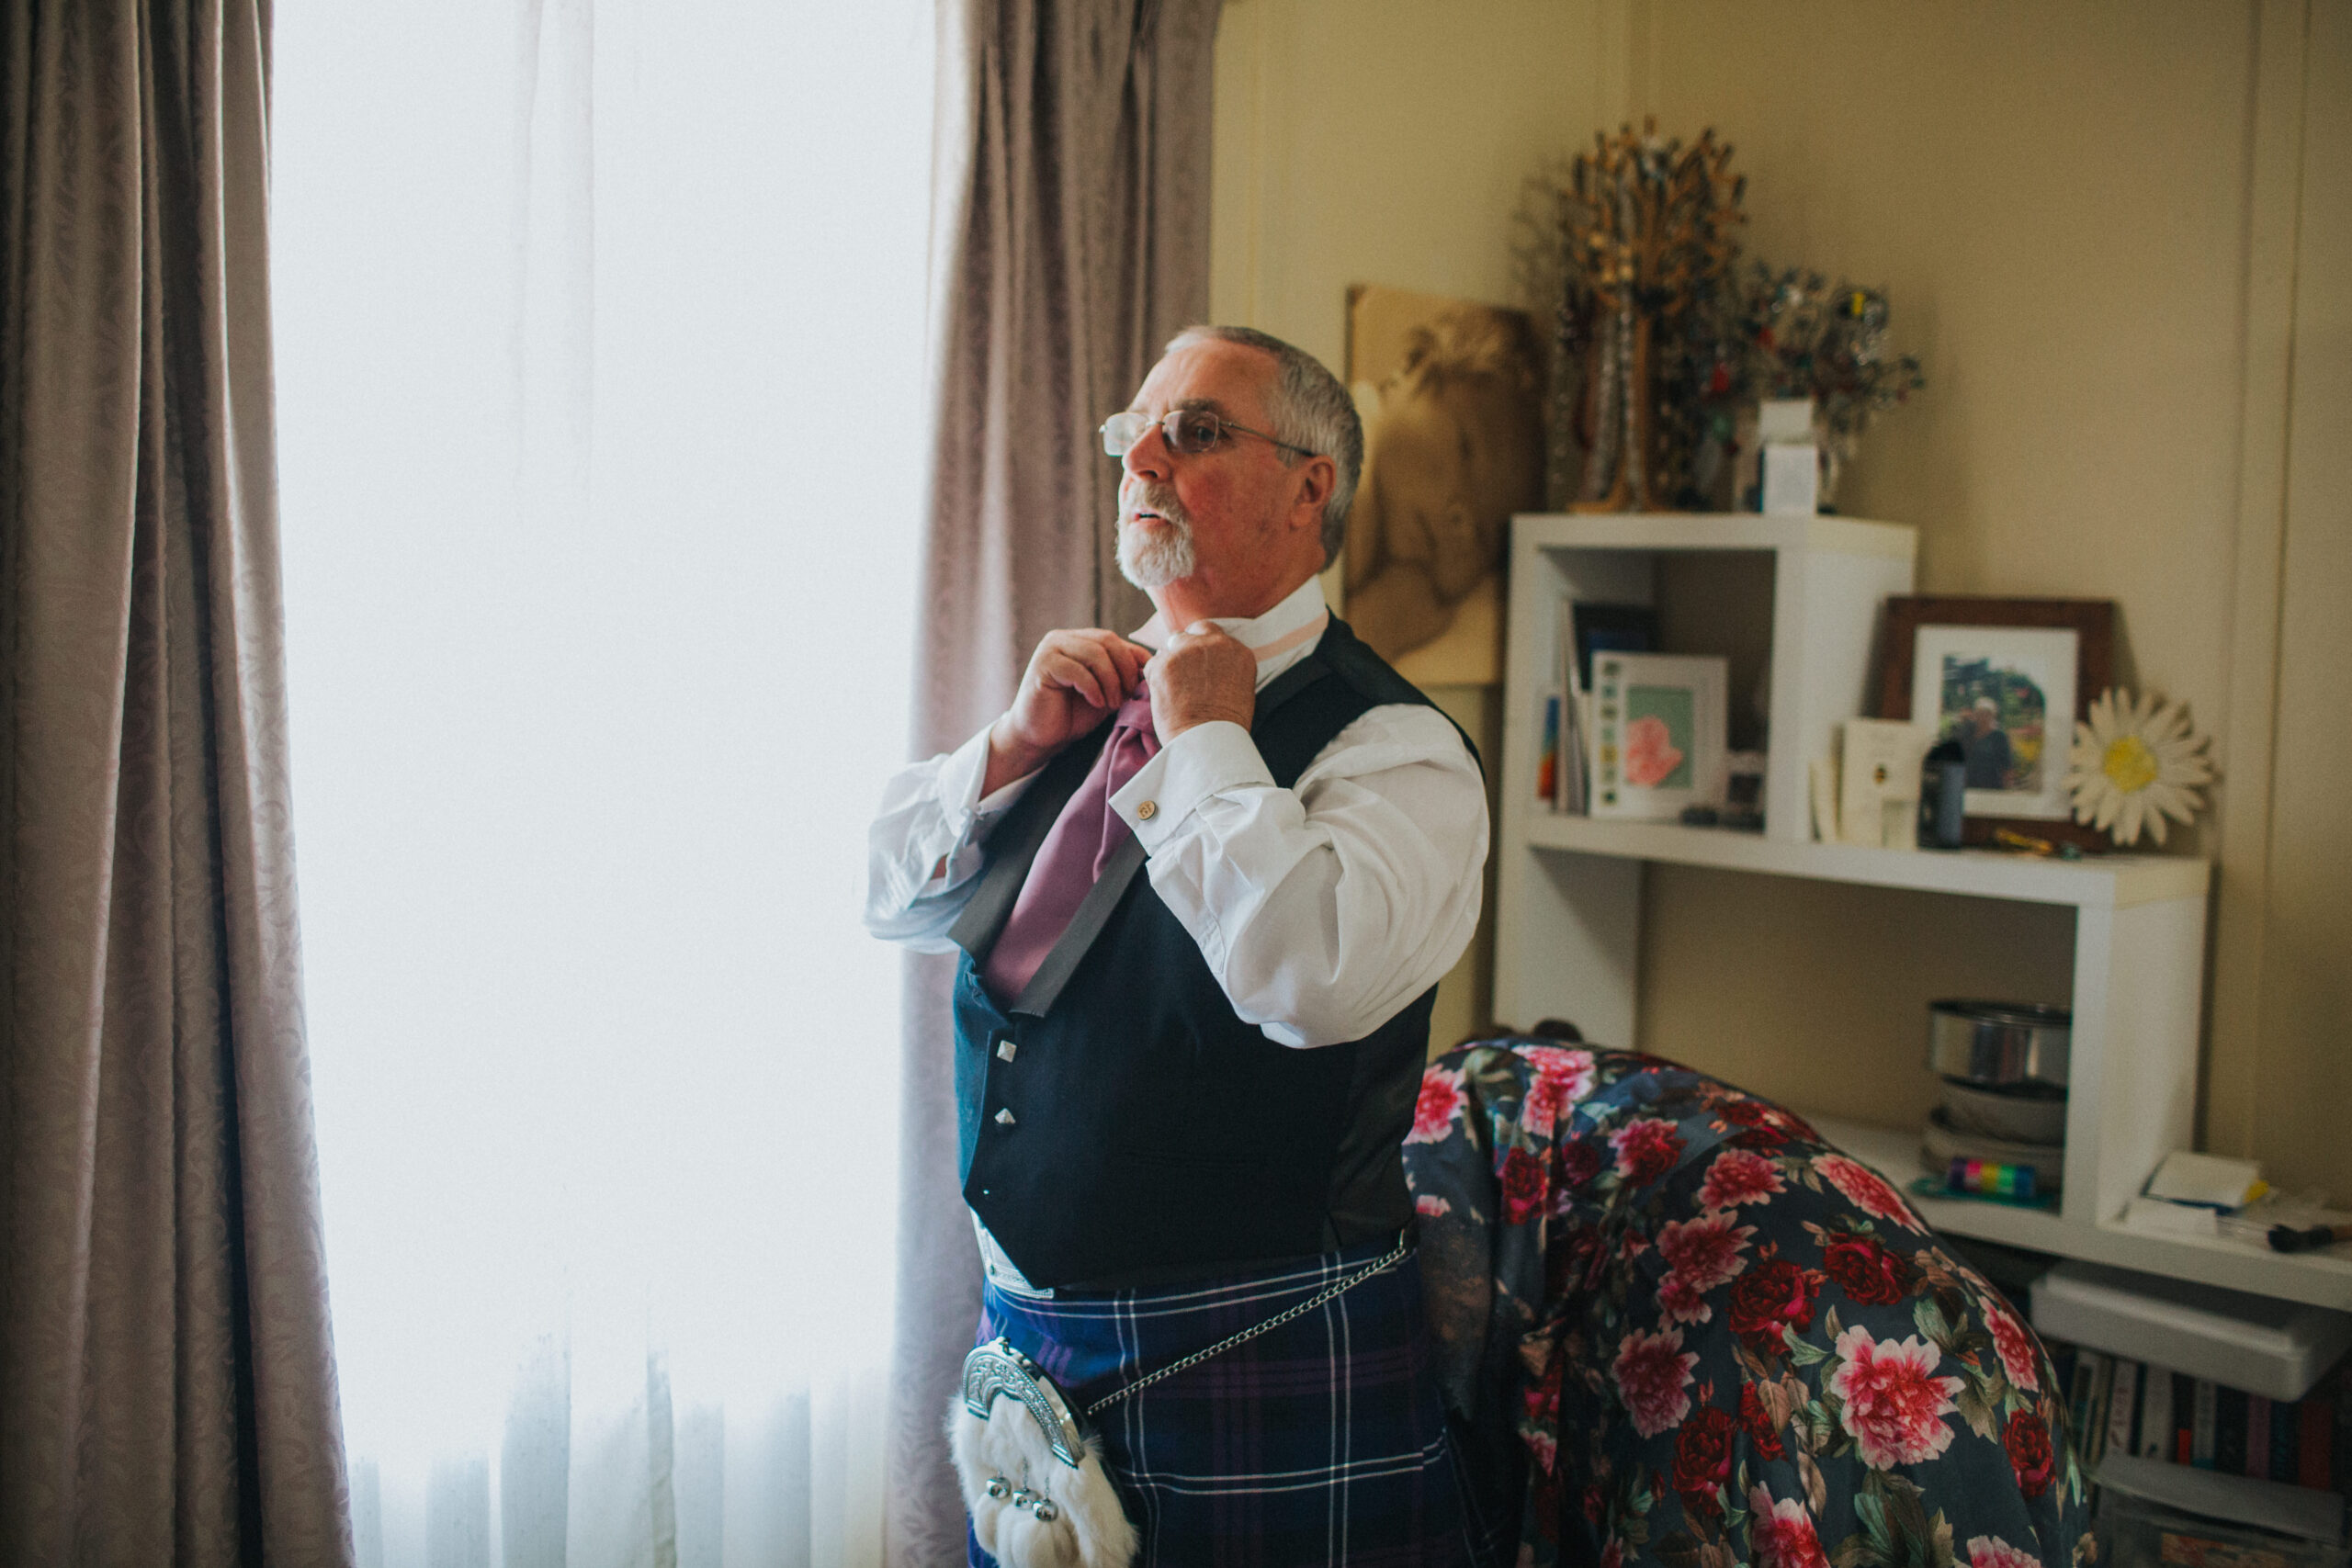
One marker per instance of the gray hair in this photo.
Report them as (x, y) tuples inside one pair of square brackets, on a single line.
[(1308, 408)]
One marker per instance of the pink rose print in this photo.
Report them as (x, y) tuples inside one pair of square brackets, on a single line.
[(2016, 1346), (1866, 1189), (1894, 1403), (1780, 1535), (1650, 752), (1572, 1070), (1562, 1078), (1439, 1103), (1740, 1176), (1654, 1376), (1704, 1251), (1647, 1149), (1682, 1303), (1429, 1206), (1992, 1552)]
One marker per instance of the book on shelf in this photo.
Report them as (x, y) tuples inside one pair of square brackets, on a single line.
[(2116, 1406), (1564, 773)]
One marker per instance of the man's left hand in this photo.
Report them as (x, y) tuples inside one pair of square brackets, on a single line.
[(1201, 676)]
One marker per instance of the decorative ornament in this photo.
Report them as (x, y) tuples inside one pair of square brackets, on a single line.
[(1647, 226), (1792, 334), (2134, 764)]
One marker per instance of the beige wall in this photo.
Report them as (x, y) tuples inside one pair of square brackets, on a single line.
[(2088, 218)]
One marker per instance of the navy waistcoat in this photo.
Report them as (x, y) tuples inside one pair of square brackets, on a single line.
[(1119, 1123)]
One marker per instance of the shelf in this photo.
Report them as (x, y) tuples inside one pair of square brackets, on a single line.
[(2102, 882), (1713, 531), (2321, 1278)]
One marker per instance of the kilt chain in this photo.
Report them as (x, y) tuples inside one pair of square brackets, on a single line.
[(1377, 1266)]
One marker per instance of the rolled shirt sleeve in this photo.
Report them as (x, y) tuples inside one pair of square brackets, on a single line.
[(1324, 909)]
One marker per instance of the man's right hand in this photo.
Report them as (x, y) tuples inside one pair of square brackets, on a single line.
[(1075, 680)]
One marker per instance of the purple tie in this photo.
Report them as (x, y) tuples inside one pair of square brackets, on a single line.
[(1083, 839)]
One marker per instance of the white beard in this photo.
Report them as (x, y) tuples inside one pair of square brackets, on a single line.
[(1158, 556)]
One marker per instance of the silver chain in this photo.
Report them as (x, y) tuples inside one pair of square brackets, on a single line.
[(1377, 1266)]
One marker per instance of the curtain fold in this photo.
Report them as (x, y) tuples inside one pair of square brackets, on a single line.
[(166, 1382), (1070, 240)]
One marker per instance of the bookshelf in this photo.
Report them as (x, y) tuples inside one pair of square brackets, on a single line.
[(1569, 889)]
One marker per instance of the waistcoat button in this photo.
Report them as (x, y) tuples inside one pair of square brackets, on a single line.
[(1004, 1118), (1005, 1049)]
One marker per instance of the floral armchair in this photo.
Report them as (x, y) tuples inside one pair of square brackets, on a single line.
[(1676, 1328)]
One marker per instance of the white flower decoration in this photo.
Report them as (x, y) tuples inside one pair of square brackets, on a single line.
[(2134, 764)]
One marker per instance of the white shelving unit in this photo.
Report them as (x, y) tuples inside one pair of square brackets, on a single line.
[(1569, 888)]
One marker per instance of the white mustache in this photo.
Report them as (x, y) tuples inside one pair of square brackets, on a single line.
[(1160, 500)]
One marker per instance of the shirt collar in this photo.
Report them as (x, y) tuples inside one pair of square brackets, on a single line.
[(1280, 638)]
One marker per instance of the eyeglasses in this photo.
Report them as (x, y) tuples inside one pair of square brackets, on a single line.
[(1189, 433)]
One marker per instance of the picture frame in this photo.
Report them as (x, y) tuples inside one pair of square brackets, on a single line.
[(1659, 728), (2009, 678)]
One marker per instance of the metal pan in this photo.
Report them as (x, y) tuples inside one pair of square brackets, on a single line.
[(1999, 1042)]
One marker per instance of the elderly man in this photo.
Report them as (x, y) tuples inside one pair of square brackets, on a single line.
[(1986, 747), (1183, 1094)]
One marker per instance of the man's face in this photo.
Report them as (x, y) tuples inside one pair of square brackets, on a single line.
[(1215, 518)]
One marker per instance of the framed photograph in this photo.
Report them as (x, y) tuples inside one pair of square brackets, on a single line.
[(2005, 680), (1658, 733)]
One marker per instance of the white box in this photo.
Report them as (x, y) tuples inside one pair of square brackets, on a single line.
[(2260, 1344)]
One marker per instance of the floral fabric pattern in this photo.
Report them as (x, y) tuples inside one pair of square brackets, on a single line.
[(1677, 1329)]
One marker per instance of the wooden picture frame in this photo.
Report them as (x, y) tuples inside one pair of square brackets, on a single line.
[(2092, 622)]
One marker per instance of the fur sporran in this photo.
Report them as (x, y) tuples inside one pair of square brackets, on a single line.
[(1032, 1478)]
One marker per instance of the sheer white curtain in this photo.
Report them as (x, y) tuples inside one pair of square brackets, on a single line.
[(601, 398)]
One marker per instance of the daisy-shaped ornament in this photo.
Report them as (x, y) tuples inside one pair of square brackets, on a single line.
[(2135, 763)]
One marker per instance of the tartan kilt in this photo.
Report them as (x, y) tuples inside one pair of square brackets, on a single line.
[(1321, 1442)]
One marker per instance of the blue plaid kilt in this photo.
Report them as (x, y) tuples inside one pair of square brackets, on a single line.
[(1322, 1443)]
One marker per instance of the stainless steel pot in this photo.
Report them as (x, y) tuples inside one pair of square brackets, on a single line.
[(1999, 1042)]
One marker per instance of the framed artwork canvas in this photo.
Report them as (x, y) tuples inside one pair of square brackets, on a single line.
[(1453, 433), (1659, 732)]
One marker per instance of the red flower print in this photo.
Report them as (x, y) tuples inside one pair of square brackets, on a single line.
[(1780, 1534), (1775, 1291), (1441, 1102), (1896, 1405), (1740, 1176), (1429, 1206), (1866, 1189), (1580, 1163), (1992, 1552), (1758, 1422), (2028, 1441), (1654, 1374), (2018, 1357), (1704, 1251), (1573, 1261), (1522, 1185), (1647, 1149), (1703, 1451), (1868, 1272)]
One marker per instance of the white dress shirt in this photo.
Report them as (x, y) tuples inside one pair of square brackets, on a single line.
[(1322, 910)]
